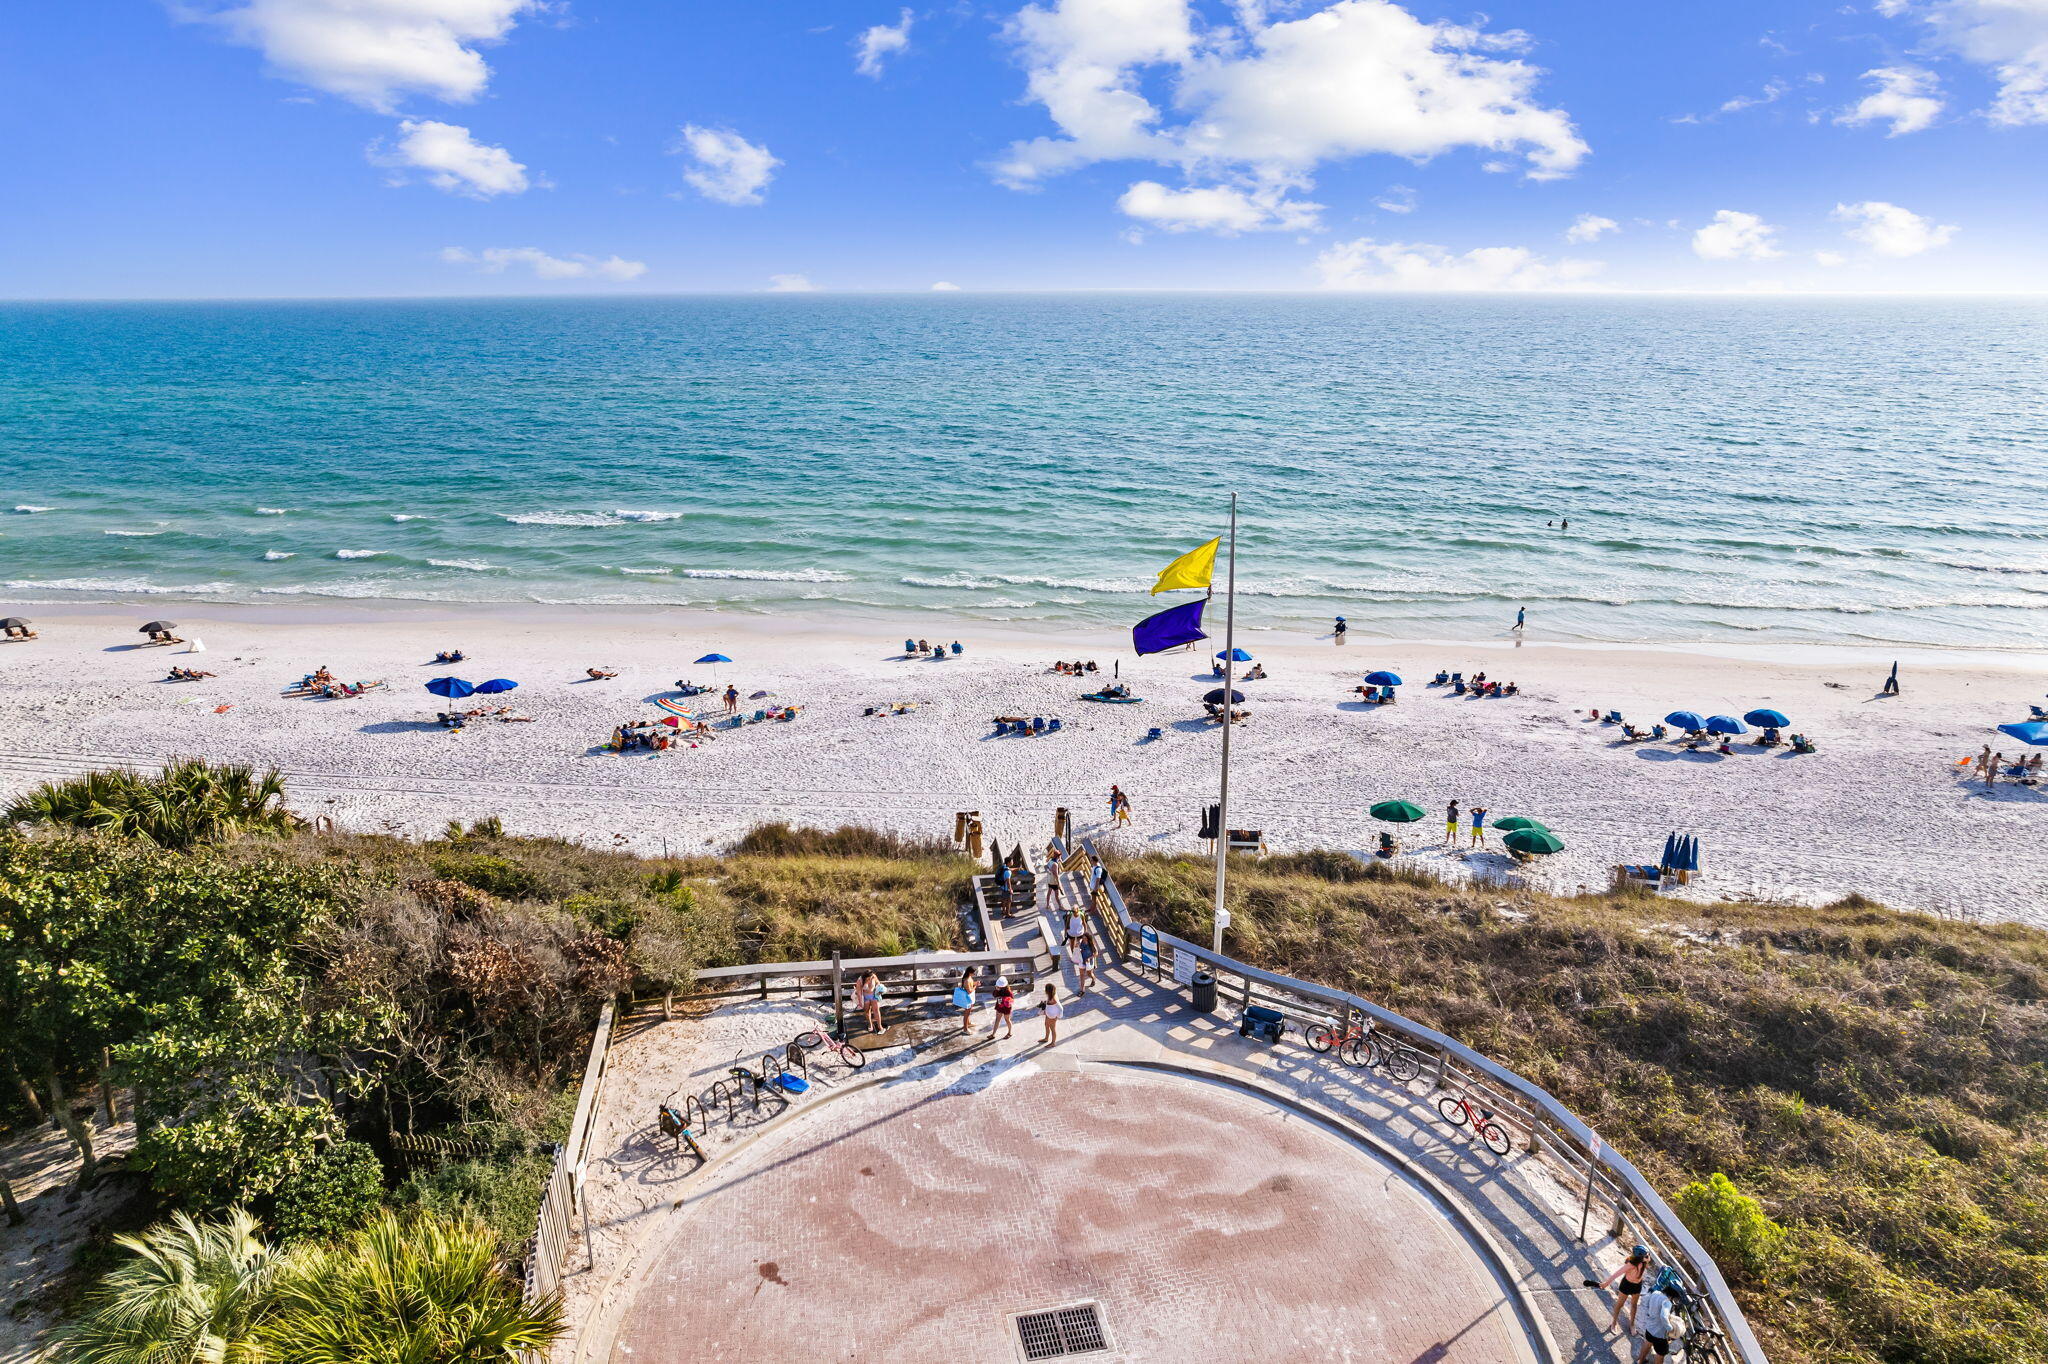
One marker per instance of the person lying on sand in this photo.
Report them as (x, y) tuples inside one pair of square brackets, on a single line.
[(598, 674), (186, 675)]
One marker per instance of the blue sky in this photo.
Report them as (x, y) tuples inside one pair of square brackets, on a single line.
[(255, 148)]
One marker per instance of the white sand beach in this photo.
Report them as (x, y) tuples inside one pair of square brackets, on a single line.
[(1880, 810)]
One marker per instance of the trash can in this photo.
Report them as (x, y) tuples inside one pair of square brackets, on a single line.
[(1202, 992)]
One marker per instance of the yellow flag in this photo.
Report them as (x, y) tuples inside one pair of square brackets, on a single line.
[(1192, 569)]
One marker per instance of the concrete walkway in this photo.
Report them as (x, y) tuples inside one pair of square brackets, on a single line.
[(961, 1179)]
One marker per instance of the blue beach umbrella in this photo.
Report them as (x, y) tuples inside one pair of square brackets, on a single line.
[(714, 658), (1769, 719), (1685, 719), (2027, 732), (1234, 655), (1669, 857), (454, 688), (1688, 853), (494, 686), (1725, 724), (1383, 679)]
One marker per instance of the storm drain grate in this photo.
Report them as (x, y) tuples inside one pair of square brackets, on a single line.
[(1066, 1331)]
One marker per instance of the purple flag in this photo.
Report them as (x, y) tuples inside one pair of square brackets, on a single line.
[(1174, 626)]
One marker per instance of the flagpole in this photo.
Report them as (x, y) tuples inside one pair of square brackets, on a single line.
[(1229, 723)]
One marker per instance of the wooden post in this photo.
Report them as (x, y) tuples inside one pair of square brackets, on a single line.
[(838, 999), (764, 985), (974, 839), (7, 1203)]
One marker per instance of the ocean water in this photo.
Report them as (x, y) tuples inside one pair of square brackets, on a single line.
[(1843, 471)]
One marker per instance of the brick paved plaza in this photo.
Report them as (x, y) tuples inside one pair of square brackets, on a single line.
[(911, 1223)]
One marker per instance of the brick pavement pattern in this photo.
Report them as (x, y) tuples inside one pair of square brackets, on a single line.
[(910, 1224)]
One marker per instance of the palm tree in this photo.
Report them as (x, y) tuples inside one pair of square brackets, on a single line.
[(192, 1294), (417, 1291), (188, 802)]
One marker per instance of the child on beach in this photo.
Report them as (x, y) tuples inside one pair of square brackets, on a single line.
[(1006, 1000), (1478, 825), (1451, 823), (1052, 1010)]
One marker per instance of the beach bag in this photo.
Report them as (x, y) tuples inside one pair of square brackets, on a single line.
[(963, 998)]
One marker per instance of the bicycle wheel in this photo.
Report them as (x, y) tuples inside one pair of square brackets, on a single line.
[(853, 1056), (1319, 1036), (1495, 1136), (809, 1041), (1356, 1051), (1452, 1109), (1399, 1061)]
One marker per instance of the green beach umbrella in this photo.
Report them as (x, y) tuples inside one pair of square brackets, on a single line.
[(1514, 822), (1396, 812), (1540, 842)]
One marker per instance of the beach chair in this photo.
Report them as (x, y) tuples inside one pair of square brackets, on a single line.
[(1038, 724), (759, 716), (1457, 686), (1052, 726), (1658, 731), (1440, 679), (2039, 714), (1248, 841), (1155, 733), (1613, 717)]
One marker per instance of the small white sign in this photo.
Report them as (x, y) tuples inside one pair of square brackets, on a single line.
[(1184, 964)]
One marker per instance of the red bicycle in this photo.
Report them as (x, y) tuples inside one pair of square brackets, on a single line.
[(1365, 1045), (1459, 1110)]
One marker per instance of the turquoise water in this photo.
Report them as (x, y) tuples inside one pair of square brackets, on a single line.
[(1754, 469)]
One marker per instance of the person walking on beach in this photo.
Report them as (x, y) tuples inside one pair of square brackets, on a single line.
[(1006, 1000), (1891, 684), (1478, 821), (1451, 824), (732, 697), (1627, 1283), (1991, 770), (963, 999), (1084, 964), (1052, 1010), (1338, 632), (1521, 616), (1077, 929), (1119, 805)]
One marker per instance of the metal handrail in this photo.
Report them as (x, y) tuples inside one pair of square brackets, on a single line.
[(1655, 1217)]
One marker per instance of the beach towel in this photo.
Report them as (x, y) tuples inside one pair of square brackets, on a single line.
[(223, 710), (675, 707)]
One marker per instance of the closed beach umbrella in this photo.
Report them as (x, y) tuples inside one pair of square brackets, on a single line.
[(454, 688), (1725, 724), (1383, 679), (1216, 697), (495, 685), (155, 626), (1396, 812), (1769, 719), (1514, 822), (1539, 842), (1668, 860), (1234, 655), (2028, 732), (1685, 719)]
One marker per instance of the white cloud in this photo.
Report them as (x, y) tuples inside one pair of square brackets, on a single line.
[(943, 287), (1829, 258), (452, 160), (1369, 264), (1889, 230), (791, 284), (1735, 236), (370, 51), (496, 260), (1222, 209), (1770, 94), (1397, 199), (729, 168), (1906, 97), (881, 41), (2010, 37), (1263, 104), (1588, 227)]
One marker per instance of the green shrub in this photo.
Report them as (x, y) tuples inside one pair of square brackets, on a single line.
[(489, 873), (1732, 1225), (333, 1194)]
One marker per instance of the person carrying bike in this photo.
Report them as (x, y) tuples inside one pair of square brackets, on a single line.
[(1656, 1321)]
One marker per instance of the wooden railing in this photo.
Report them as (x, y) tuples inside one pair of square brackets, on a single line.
[(563, 1199), (1547, 1126)]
